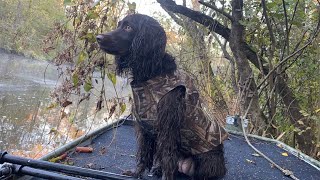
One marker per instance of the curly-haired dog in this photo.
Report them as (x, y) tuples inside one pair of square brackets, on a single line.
[(173, 130)]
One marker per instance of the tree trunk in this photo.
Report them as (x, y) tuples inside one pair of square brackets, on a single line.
[(206, 73), (304, 140), (248, 87)]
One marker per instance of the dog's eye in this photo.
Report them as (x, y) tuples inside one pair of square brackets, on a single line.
[(128, 28)]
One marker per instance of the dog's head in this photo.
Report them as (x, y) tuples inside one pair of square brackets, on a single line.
[(135, 33), (138, 42)]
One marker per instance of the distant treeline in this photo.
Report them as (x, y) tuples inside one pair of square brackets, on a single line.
[(24, 24)]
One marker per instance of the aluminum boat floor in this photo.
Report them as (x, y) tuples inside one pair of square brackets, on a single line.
[(114, 151)]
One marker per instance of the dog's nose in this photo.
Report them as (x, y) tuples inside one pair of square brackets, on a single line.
[(99, 38)]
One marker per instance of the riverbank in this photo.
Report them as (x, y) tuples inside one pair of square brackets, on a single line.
[(29, 126), (24, 54)]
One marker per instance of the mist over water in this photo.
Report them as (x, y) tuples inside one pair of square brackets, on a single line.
[(27, 126)]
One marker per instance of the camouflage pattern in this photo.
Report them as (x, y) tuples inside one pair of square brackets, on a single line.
[(199, 131)]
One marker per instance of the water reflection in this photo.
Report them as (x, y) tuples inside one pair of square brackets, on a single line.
[(27, 126)]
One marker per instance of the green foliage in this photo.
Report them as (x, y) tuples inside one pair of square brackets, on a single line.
[(87, 85), (301, 72), (67, 2), (82, 57), (132, 6), (304, 78), (74, 49), (113, 78), (75, 79), (24, 24)]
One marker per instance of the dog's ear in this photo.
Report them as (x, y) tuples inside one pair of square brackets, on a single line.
[(150, 41)]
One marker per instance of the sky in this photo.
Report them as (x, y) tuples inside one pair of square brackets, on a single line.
[(148, 7)]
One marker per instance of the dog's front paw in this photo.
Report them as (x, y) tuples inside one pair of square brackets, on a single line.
[(128, 173), (132, 174), (136, 173)]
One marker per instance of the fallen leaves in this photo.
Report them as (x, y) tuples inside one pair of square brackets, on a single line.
[(256, 154), (103, 150), (250, 161), (128, 173), (90, 165), (59, 158), (280, 145)]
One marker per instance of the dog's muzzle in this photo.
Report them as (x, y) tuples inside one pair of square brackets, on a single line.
[(100, 38)]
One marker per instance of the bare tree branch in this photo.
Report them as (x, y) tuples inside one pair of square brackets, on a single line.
[(272, 82), (207, 21), (214, 26), (212, 6), (294, 14), (291, 55), (286, 45), (272, 38)]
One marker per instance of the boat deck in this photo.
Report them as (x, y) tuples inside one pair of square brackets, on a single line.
[(114, 151)]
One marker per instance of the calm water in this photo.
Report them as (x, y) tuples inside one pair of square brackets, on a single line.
[(27, 126)]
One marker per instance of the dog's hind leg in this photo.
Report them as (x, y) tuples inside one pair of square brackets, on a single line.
[(171, 113), (210, 165)]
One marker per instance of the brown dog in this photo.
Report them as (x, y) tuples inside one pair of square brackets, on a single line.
[(173, 131)]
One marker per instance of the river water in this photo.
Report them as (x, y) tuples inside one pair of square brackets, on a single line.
[(27, 126)]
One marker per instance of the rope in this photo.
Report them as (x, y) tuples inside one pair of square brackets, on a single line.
[(286, 172)]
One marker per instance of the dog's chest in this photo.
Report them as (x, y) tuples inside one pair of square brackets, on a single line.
[(144, 107), (147, 95)]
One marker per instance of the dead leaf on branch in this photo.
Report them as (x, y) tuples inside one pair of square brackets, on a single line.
[(53, 131), (84, 97), (63, 114), (66, 103), (99, 105), (112, 110)]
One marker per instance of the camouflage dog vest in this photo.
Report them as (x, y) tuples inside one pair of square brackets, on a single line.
[(199, 132)]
